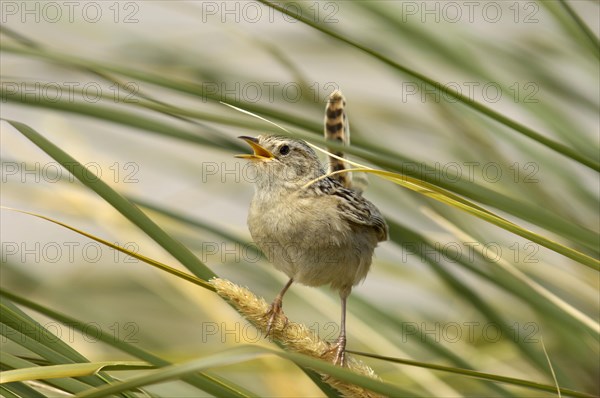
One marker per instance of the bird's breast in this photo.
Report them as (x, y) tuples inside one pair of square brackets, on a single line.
[(306, 238)]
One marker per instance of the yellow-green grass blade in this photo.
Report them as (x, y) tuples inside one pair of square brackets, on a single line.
[(113, 114), (446, 90), (567, 318), (395, 323), (69, 385), (210, 384), (481, 375), (45, 99), (34, 337), (125, 207), (69, 370), (147, 260), (186, 87), (537, 215), (446, 197), (486, 310), (243, 354)]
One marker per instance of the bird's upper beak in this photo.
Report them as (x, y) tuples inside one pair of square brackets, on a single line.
[(260, 153)]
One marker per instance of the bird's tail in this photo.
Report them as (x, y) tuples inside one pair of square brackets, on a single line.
[(337, 128)]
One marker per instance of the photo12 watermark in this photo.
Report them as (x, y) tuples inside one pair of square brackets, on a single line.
[(66, 252), (52, 332), (53, 172), (54, 12), (470, 332), (69, 92), (323, 12), (470, 252), (489, 92), (489, 12), (266, 91)]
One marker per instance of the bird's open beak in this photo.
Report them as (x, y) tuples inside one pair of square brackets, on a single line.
[(260, 153)]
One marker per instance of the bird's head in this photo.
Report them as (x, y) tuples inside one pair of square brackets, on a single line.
[(282, 162)]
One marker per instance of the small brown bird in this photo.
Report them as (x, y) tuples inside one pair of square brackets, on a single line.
[(317, 232)]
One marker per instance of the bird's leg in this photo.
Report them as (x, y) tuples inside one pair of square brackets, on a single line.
[(275, 308), (340, 344)]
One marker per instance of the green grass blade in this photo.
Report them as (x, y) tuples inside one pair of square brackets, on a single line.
[(395, 323), (584, 28), (20, 390), (481, 375), (35, 339), (68, 385), (147, 260), (463, 204), (201, 381), (112, 114), (242, 354), (557, 311), (70, 370), (126, 208), (446, 90)]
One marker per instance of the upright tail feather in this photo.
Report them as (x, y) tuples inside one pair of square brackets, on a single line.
[(337, 128)]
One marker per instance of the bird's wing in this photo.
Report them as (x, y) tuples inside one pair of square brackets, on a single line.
[(358, 210)]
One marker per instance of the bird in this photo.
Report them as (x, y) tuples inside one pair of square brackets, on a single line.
[(308, 224)]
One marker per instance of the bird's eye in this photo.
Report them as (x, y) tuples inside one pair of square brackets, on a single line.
[(284, 150)]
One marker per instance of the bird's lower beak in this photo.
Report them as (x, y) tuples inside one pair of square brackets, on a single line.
[(260, 153)]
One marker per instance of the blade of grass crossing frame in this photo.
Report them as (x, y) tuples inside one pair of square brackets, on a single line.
[(243, 354), (524, 130), (201, 381), (126, 208), (68, 370), (147, 260), (487, 376), (68, 385), (463, 204)]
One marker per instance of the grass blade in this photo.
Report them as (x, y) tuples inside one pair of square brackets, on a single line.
[(126, 208), (147, 260), (446, 90), (70, 370), (481, 375), (242, 354)]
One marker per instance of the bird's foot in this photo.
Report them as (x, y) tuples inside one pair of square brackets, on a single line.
[(275, 311), (340, 351)]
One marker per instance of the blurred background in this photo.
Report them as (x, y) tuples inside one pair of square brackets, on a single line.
[(133, 91)]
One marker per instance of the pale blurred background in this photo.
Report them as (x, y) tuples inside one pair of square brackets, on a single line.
[(524, 59)]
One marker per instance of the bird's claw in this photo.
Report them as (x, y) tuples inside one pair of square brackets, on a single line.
[(340, 356), (340, 351), (273, 313)]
